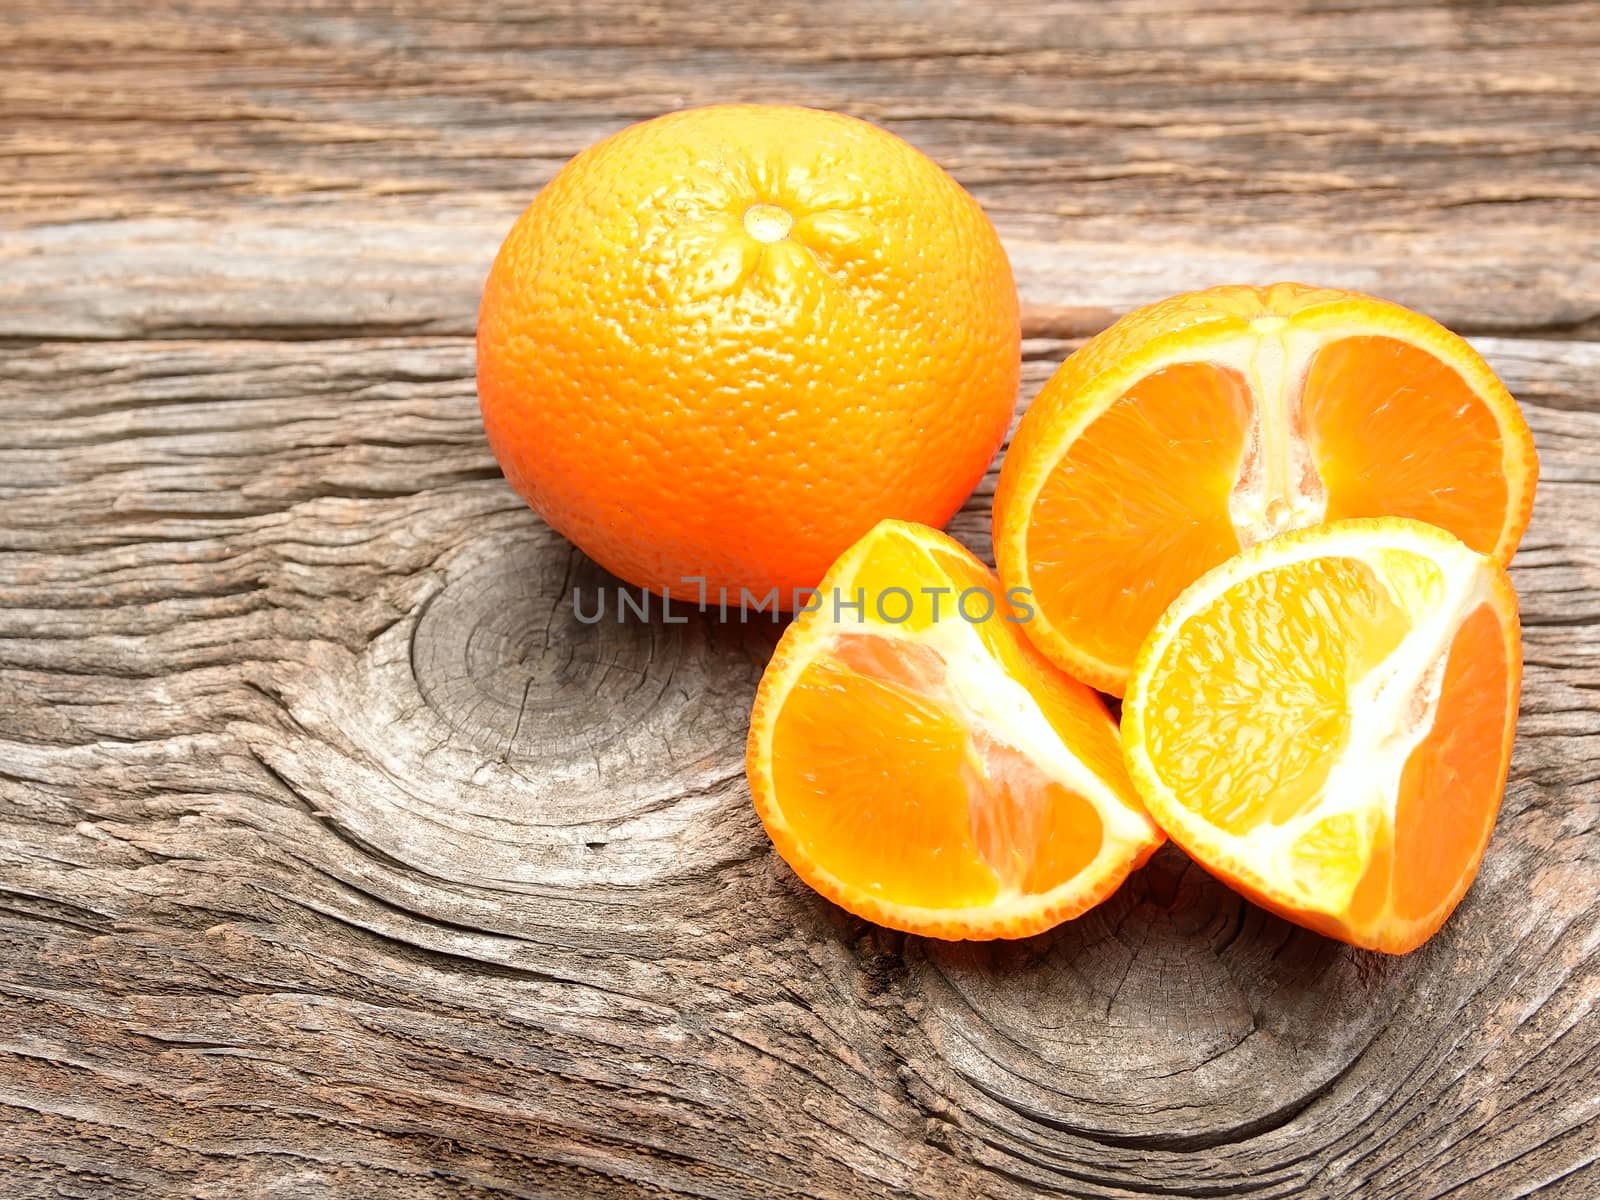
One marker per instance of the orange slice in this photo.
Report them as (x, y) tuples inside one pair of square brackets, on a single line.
[(1199, 426), (920, 764), (1325, 722)]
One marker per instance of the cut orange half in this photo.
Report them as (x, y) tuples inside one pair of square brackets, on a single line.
[(1199, 426), (919, 763), (1325, 722)]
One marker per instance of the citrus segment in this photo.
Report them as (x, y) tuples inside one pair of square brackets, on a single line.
[(1313, 629), (1111, 499), (845, 733), (1325, 722), (933, 772), (1450, 791), (1376, 412), (1218, 419)]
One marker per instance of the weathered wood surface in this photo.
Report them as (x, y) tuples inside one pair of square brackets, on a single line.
[(338, 859)]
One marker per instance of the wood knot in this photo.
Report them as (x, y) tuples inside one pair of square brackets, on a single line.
[(528, 657), (1173, 1016)]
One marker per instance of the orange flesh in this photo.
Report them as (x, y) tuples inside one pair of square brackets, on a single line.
[(908, 755), (1450, 791), (1259, 710), (1075, 714), (1249, 729), (956, 817), (1374, 409), (1138, 506), (843, 735), (962, 587)]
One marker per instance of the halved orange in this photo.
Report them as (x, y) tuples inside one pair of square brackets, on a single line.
[(1325, 723), (1199, 426), (919, 763)]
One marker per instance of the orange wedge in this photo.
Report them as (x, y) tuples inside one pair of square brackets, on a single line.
[(1199, 426), (919, 763), (1325, 723)]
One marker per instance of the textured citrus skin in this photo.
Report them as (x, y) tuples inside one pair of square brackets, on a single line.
[(725, 342), (1189, 328)]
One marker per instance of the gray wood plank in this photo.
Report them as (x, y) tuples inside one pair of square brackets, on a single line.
[(338, 859), (306, 171), (335, 855)]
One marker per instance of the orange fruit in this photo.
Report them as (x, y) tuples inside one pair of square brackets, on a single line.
[(1325, 722), (934, 773), (721, 344), (1199, 426)]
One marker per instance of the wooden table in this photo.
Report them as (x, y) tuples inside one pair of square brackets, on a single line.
[(337, 859)]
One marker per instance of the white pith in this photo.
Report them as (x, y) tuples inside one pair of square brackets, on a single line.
[(986, 698), (1277, 488), (991, 700), (1392, 708)]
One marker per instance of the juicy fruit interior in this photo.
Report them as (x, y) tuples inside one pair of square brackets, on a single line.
[(921, 762), (1374, 409), (1260, 731), (1199, 460), (1450, 791), (1146, 487)]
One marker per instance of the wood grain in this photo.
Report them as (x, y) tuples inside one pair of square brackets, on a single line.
[(338, 858), (353, 168)]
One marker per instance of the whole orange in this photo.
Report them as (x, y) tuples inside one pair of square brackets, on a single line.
[(724, 343)]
